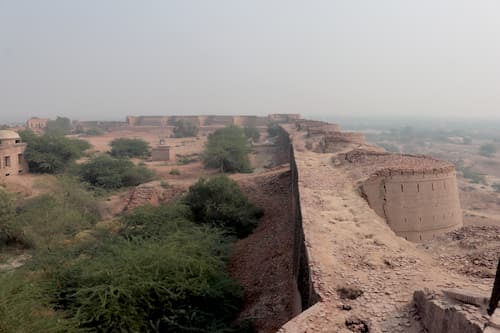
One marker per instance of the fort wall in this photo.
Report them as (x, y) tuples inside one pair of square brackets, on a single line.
[(323, 129), (417, 205), (301, 267)]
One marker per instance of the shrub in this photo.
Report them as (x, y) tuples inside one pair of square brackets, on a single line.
[(488, 149), (175, 172), (150, 222), (124, 147), (176, 284), (48, 220), (252, 132), (8, 231), (219, 202), (51, 153), (25, 306), (183, 129), (227, 149), (496, 187), (111, 173)]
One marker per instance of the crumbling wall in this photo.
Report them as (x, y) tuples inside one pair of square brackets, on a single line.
[(323, 129), (440, 315), (417, 205), (330, 142)]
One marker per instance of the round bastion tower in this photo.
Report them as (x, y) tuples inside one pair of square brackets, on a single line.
[(418, 199)]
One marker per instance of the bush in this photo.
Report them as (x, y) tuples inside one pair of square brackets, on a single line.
[(496, 187), (174, 284), (51, 153), (47, 221), (25, 306), (183, 129), (488, 149), (227, 149), (124, 147), (112, 173), (219, 202), (252, 132), (8, 231), (175, 172)]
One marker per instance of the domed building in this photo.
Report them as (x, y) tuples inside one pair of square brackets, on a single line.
[(12, 161)]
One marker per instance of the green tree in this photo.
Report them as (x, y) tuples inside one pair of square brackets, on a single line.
[(51, 153), (124, 147), (219, 202), (252, 132), (227, 149), (60, 126), (488, 149), (184, 128), (112, 173)]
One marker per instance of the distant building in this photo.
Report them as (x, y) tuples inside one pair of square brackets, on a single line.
[(12, 161), (36, 124)]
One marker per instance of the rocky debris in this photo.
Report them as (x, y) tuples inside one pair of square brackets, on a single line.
[(443, 314), (357, 325), (349, 292), (471, 250), (142, 195)]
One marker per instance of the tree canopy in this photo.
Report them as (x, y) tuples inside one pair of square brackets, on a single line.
[(184, 128), (60, 126), (227, 150), (51, 153)]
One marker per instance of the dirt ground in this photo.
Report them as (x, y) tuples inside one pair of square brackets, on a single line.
[(263, 261)]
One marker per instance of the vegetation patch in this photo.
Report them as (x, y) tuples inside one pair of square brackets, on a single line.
[(227, 150), (124, 147), (112, 173), (51, 153), (184, 129), (219, 202)]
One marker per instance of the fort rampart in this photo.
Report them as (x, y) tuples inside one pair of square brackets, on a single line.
[(417, 204), (204, 120)]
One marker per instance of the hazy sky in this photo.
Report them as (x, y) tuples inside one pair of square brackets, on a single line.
[(104, 59)]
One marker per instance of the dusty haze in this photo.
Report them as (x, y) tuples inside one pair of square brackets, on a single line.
[(104, 59)]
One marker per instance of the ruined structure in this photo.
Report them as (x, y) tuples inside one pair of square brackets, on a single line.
[(160, 153), (12, 160), (355, 271), (416, 195), (36, 124)]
